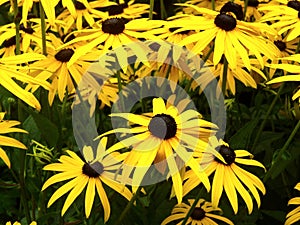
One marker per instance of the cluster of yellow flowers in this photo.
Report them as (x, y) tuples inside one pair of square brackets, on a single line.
[(247, 41)]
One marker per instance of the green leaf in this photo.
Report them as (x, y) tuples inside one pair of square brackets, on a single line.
[(241, 139), (276, 214)]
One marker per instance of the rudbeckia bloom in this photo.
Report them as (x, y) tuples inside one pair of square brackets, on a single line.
[(54, 67), (233, 38), (114, 32), (291, 68), (17, 223), (83, 11), (10, 70), (162, 135), (7, 126), (98, 169), (30, 36), (294, 215), (228, 175), (203, 214), (286, 18)]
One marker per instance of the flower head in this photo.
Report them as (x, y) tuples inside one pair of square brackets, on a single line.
[(228, 175), (97, 169), (202, 214)]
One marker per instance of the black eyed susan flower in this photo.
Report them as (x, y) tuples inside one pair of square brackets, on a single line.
[(128, 10), (203, 214), (294, 215), (290, 68), (113, 33), (55, 67), (160, 136), (10, 71), (98, 169), (30, 37), (233, 38), (74, 17), (18, 223), (7, 126), (239, 73), (228, 175), (285, 18)]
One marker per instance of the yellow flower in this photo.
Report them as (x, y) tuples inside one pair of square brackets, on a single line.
[(81, 11), (202, 214), (54, 67), (228, 175), (285, 18), (115, 32), (7, 126), (17, 223), (10, 71), (98, 169), (232, 37), (294, 215), (291, 68), (167, 134)]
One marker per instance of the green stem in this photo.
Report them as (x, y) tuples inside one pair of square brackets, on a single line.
[(224, 78), (163, 12), (245, 8), (187, 87), (128, 206), (192, 206), (151, 9), (280, 153), (43, 28), (17, 23), (262, 125), (213, 4)]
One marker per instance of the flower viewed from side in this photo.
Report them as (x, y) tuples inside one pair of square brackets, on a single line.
[(10, 71), (17, 223), (7, 126), (228, 175), (294, 69), (100, 168), (233, 37), (162, 137), (202, 214), (294, 215)]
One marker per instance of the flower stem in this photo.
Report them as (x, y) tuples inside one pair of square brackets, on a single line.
[(192, 206), (128, 206), (17, 23), (280, 153), (224, 76), (43, 28), (262, 125), (151, 9), (245, 8)]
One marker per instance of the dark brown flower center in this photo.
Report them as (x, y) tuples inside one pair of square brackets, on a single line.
[(94, 170), (27, 30), (225, 22), (198, 213), (64, 55), (227, 153), (163, 126), (79, 5), (253, 3), (234, 8), (294, 5), (9, 42), (173, 29), (280, 45), (115, 10), (113, 26)]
